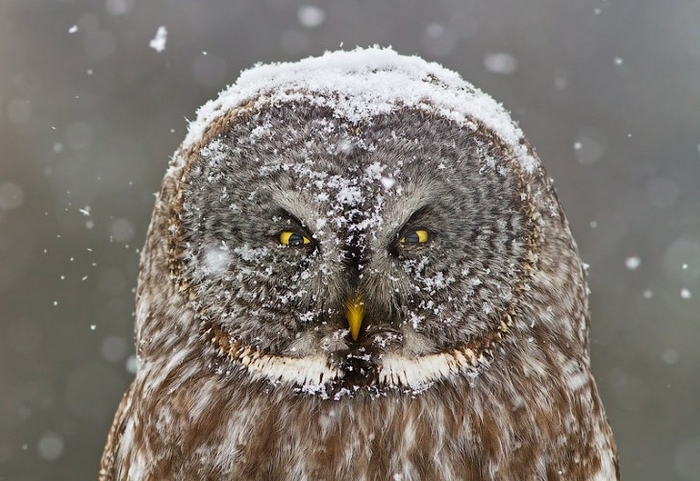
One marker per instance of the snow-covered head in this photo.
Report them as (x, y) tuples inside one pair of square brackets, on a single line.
[(358, 220)]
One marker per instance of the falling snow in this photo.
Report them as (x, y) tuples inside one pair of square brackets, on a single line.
[(310, 16), (388, 182), (501, 63), (51, 446), (632, 263), (157, 43)]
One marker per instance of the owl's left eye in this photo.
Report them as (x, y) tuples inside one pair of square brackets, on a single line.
[(415, 237), (293, 239)]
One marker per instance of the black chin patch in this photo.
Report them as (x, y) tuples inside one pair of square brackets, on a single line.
[(359, 365)]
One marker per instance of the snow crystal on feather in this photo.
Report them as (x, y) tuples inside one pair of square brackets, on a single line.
[(361, 84)]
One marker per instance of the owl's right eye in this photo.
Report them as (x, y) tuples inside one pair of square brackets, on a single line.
[(415, 237), (293, 239)]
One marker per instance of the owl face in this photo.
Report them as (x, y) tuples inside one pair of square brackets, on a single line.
[(327, 252), (358, 269)]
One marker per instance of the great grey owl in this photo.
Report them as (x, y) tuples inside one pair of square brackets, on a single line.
[(357, 269)]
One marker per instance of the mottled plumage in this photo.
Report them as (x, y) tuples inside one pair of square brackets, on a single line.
[(365, 179)]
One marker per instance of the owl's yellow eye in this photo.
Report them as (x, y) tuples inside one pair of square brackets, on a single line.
[(416, 237), (293, 239)]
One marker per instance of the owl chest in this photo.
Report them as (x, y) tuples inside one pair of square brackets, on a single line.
[(304, 439), (258, 435)]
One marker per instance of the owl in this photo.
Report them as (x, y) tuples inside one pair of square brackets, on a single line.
[(357, 269)]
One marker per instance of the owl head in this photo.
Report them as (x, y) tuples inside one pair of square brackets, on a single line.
[(357, 221)]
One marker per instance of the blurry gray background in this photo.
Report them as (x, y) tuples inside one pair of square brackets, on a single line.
[(607, 91)]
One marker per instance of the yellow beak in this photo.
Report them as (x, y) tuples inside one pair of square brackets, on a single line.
[(355, 312)]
